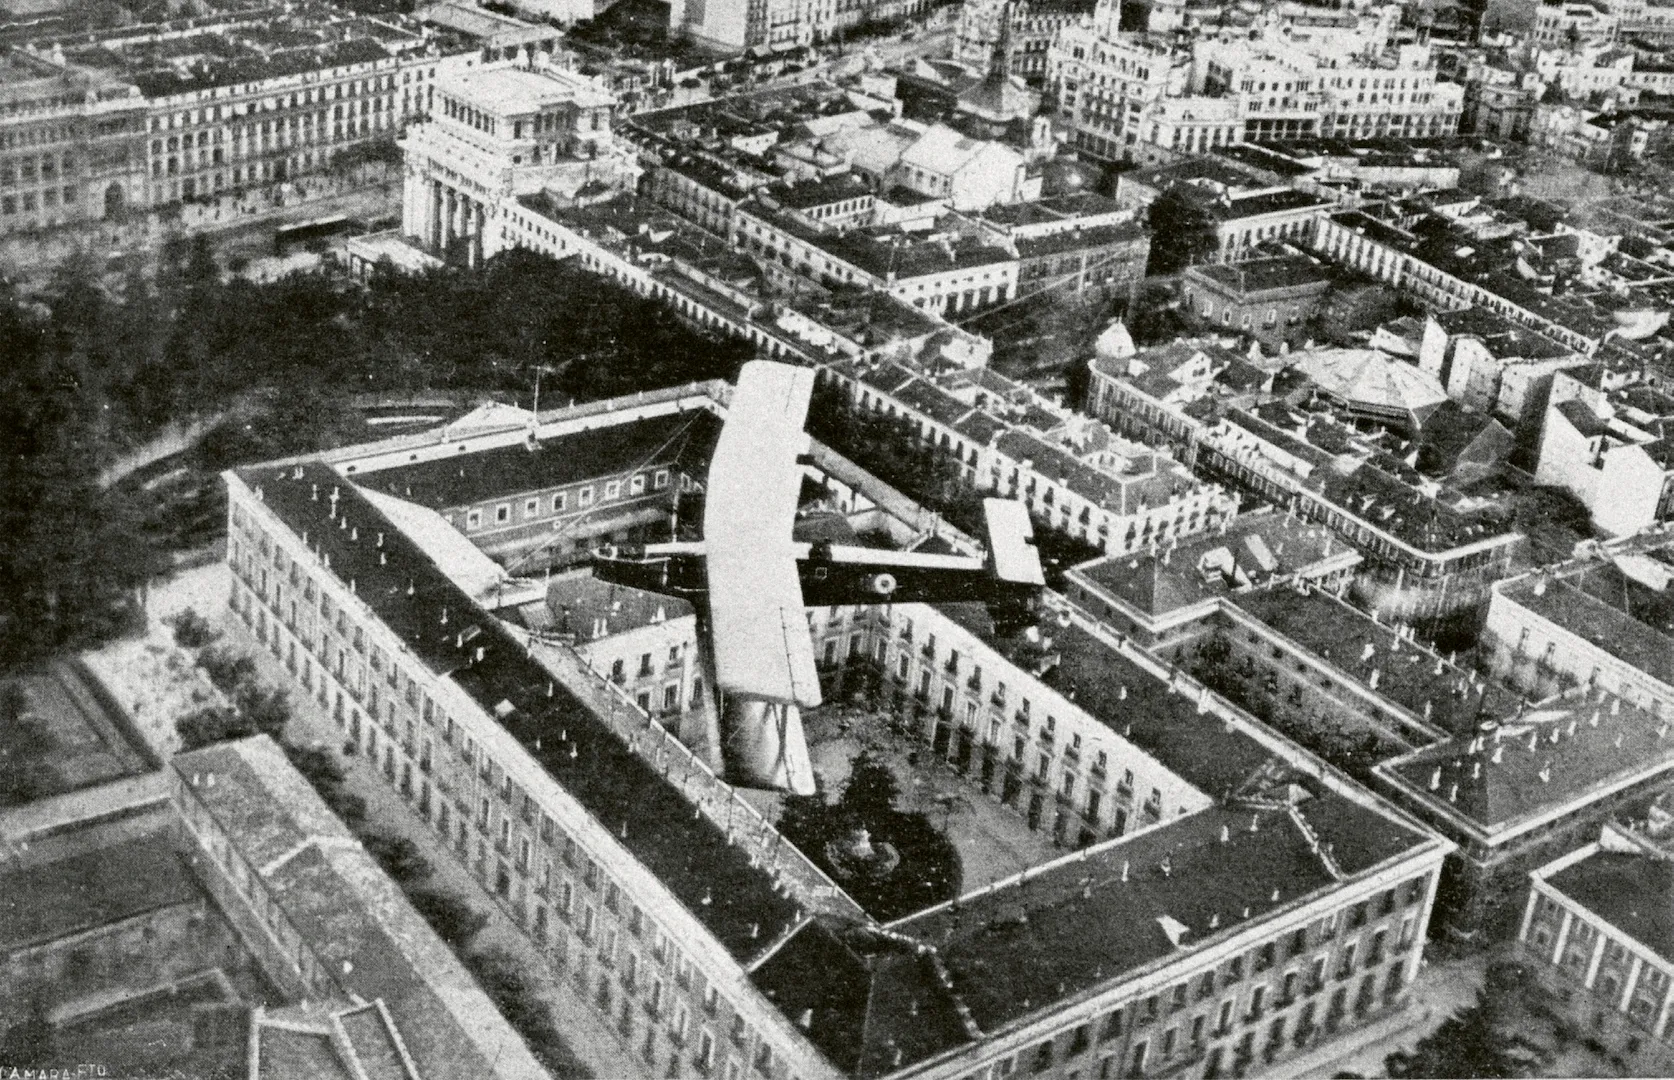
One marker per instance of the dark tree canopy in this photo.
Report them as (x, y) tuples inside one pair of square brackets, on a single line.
[(1470, 1043), (1182, 232), (92, 372)]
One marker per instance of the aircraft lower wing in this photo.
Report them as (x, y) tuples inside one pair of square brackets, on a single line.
[(756, 611)]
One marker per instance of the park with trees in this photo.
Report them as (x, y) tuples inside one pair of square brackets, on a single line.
[(92, 372)]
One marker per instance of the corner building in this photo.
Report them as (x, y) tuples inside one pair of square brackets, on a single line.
[(1225, 902)]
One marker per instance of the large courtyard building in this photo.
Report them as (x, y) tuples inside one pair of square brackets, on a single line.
[(1223, 900)]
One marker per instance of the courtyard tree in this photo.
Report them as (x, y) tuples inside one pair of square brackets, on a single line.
[(399, 856), (1182, 232)]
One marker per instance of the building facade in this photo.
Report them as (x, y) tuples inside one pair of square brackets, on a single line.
[(500, 131), (71, 146), (1589, 937)]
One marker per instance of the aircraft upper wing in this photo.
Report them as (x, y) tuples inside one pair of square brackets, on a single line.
[(1011, 546), (759, 623)]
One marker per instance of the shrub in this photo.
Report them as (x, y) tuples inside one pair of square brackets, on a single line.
[(226, 669), (191, 630), (210, 724), (265, 710), (399, 856)]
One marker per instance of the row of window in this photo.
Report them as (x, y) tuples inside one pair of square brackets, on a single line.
[(1244, 1005), (584, 898), (210, 114), (539, 506), (1610, 982), (1044, 740)]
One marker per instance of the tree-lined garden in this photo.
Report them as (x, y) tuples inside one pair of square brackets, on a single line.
[(90, 373)]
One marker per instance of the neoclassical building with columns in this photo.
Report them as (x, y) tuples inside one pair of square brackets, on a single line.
[(500, 131), (1595, 932)]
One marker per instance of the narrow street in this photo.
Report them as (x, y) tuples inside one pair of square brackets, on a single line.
[(206, 589)]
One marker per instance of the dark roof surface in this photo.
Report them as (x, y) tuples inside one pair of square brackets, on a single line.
[(1633, 891), (1093, 919), (1548, 755), (691, 856), (1263, 275), (1409, 674), (1085, 923), (97, 888), (1156, 588), (610, 450)]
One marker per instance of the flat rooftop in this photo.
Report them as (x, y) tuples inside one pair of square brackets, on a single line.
[(225, 55), (1271, 202), (712, 878), (1385, 502), (514, 91), (885, 251), (1410, 675), (47, 903)]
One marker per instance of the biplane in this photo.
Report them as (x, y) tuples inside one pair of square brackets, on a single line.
[(751, 580)]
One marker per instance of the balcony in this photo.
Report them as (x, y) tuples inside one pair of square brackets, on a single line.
[(998, 700), (928, 651)]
